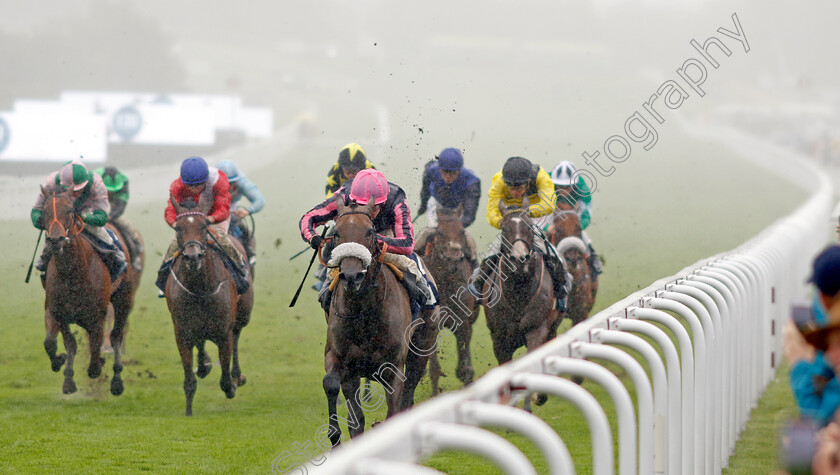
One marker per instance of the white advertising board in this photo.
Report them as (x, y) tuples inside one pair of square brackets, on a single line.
[(52, 135)]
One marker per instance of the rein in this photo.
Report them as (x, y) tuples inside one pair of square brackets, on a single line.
[(55, 220)]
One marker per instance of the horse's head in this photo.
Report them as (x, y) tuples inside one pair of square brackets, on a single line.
[(517, 234), (60, 221), (450, 239), (566, 221), (191, 233), (355, 244)]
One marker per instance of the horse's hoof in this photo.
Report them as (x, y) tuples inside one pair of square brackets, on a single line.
[(58, 362), (229, 389), (541, 399), (203, 369), (465, 375), (69, 386), (94, 371), (117, 386), (242, 380), (577, 380)]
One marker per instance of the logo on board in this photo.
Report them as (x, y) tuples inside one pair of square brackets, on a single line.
[(128, 122)]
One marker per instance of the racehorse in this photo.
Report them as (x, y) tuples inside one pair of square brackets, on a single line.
[(566, 235), (519, 310), (369, 328), (201, 296), (448, 263), (79, 290)]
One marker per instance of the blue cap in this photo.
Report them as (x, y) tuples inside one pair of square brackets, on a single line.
[(826, 275), (230, 170), (451, 159), (194, 171)]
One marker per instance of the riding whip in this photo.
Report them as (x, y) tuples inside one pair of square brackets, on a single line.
[(29, 272), (314, 254)]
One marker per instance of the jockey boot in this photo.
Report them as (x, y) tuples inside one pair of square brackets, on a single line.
[(43, 261), (481, 272), (594, 262), (324, 292), (418, 289), (321, 275), (135, 249), (470, 252), (559, 277)]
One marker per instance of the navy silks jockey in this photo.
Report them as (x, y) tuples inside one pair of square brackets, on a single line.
[(241, 186), (351, 160), (391, 220), (520, 178), (90, 202), (198, 180), (577, 194), (448, 184)]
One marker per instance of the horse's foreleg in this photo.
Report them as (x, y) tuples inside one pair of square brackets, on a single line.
[(332, 386), (70, 346), (225, 350), (185, 350), (235, 371), (204, 362), (117, 335), (423, 344), (355, 415), (96, 333), (534, 339), (51, 342), (463, 336), (434, 374)]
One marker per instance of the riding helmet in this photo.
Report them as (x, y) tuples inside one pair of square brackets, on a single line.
[(230, 170), (450, 159), (194, 171), (517, 171), (74, 175), (352, 157), (367, 183), (563, 173), (112, 178)]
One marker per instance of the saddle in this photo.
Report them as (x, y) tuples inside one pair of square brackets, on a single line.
[(116, 267)]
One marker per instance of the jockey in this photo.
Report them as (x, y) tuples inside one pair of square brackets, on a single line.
[(117, 185), (447, 183), (351, 159), (577, 194), (520, 178), (392, 221), (241, 186), (90, 202), (197, 180)]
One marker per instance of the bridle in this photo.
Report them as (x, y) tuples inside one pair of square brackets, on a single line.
[(76, 219), (202, 246)]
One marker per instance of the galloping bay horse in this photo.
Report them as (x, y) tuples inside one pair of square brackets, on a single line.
[(79, 290), (520, 309), (448, 263), (566, 235), (369, 328), (201, 296)]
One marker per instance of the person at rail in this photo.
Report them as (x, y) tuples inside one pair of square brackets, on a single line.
[(448, 184)]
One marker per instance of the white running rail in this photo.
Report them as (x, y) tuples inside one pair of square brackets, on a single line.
[(689, 412)]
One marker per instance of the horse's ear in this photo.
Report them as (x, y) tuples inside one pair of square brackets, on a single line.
[(502, 206), (370, 204), (44, 191), (339, 203), (205, 202), (526, 203), (178, 208)]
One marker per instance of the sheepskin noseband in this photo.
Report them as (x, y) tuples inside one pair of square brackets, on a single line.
[(349, 249)]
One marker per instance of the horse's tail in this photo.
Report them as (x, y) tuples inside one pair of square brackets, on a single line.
[(571, 242)]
